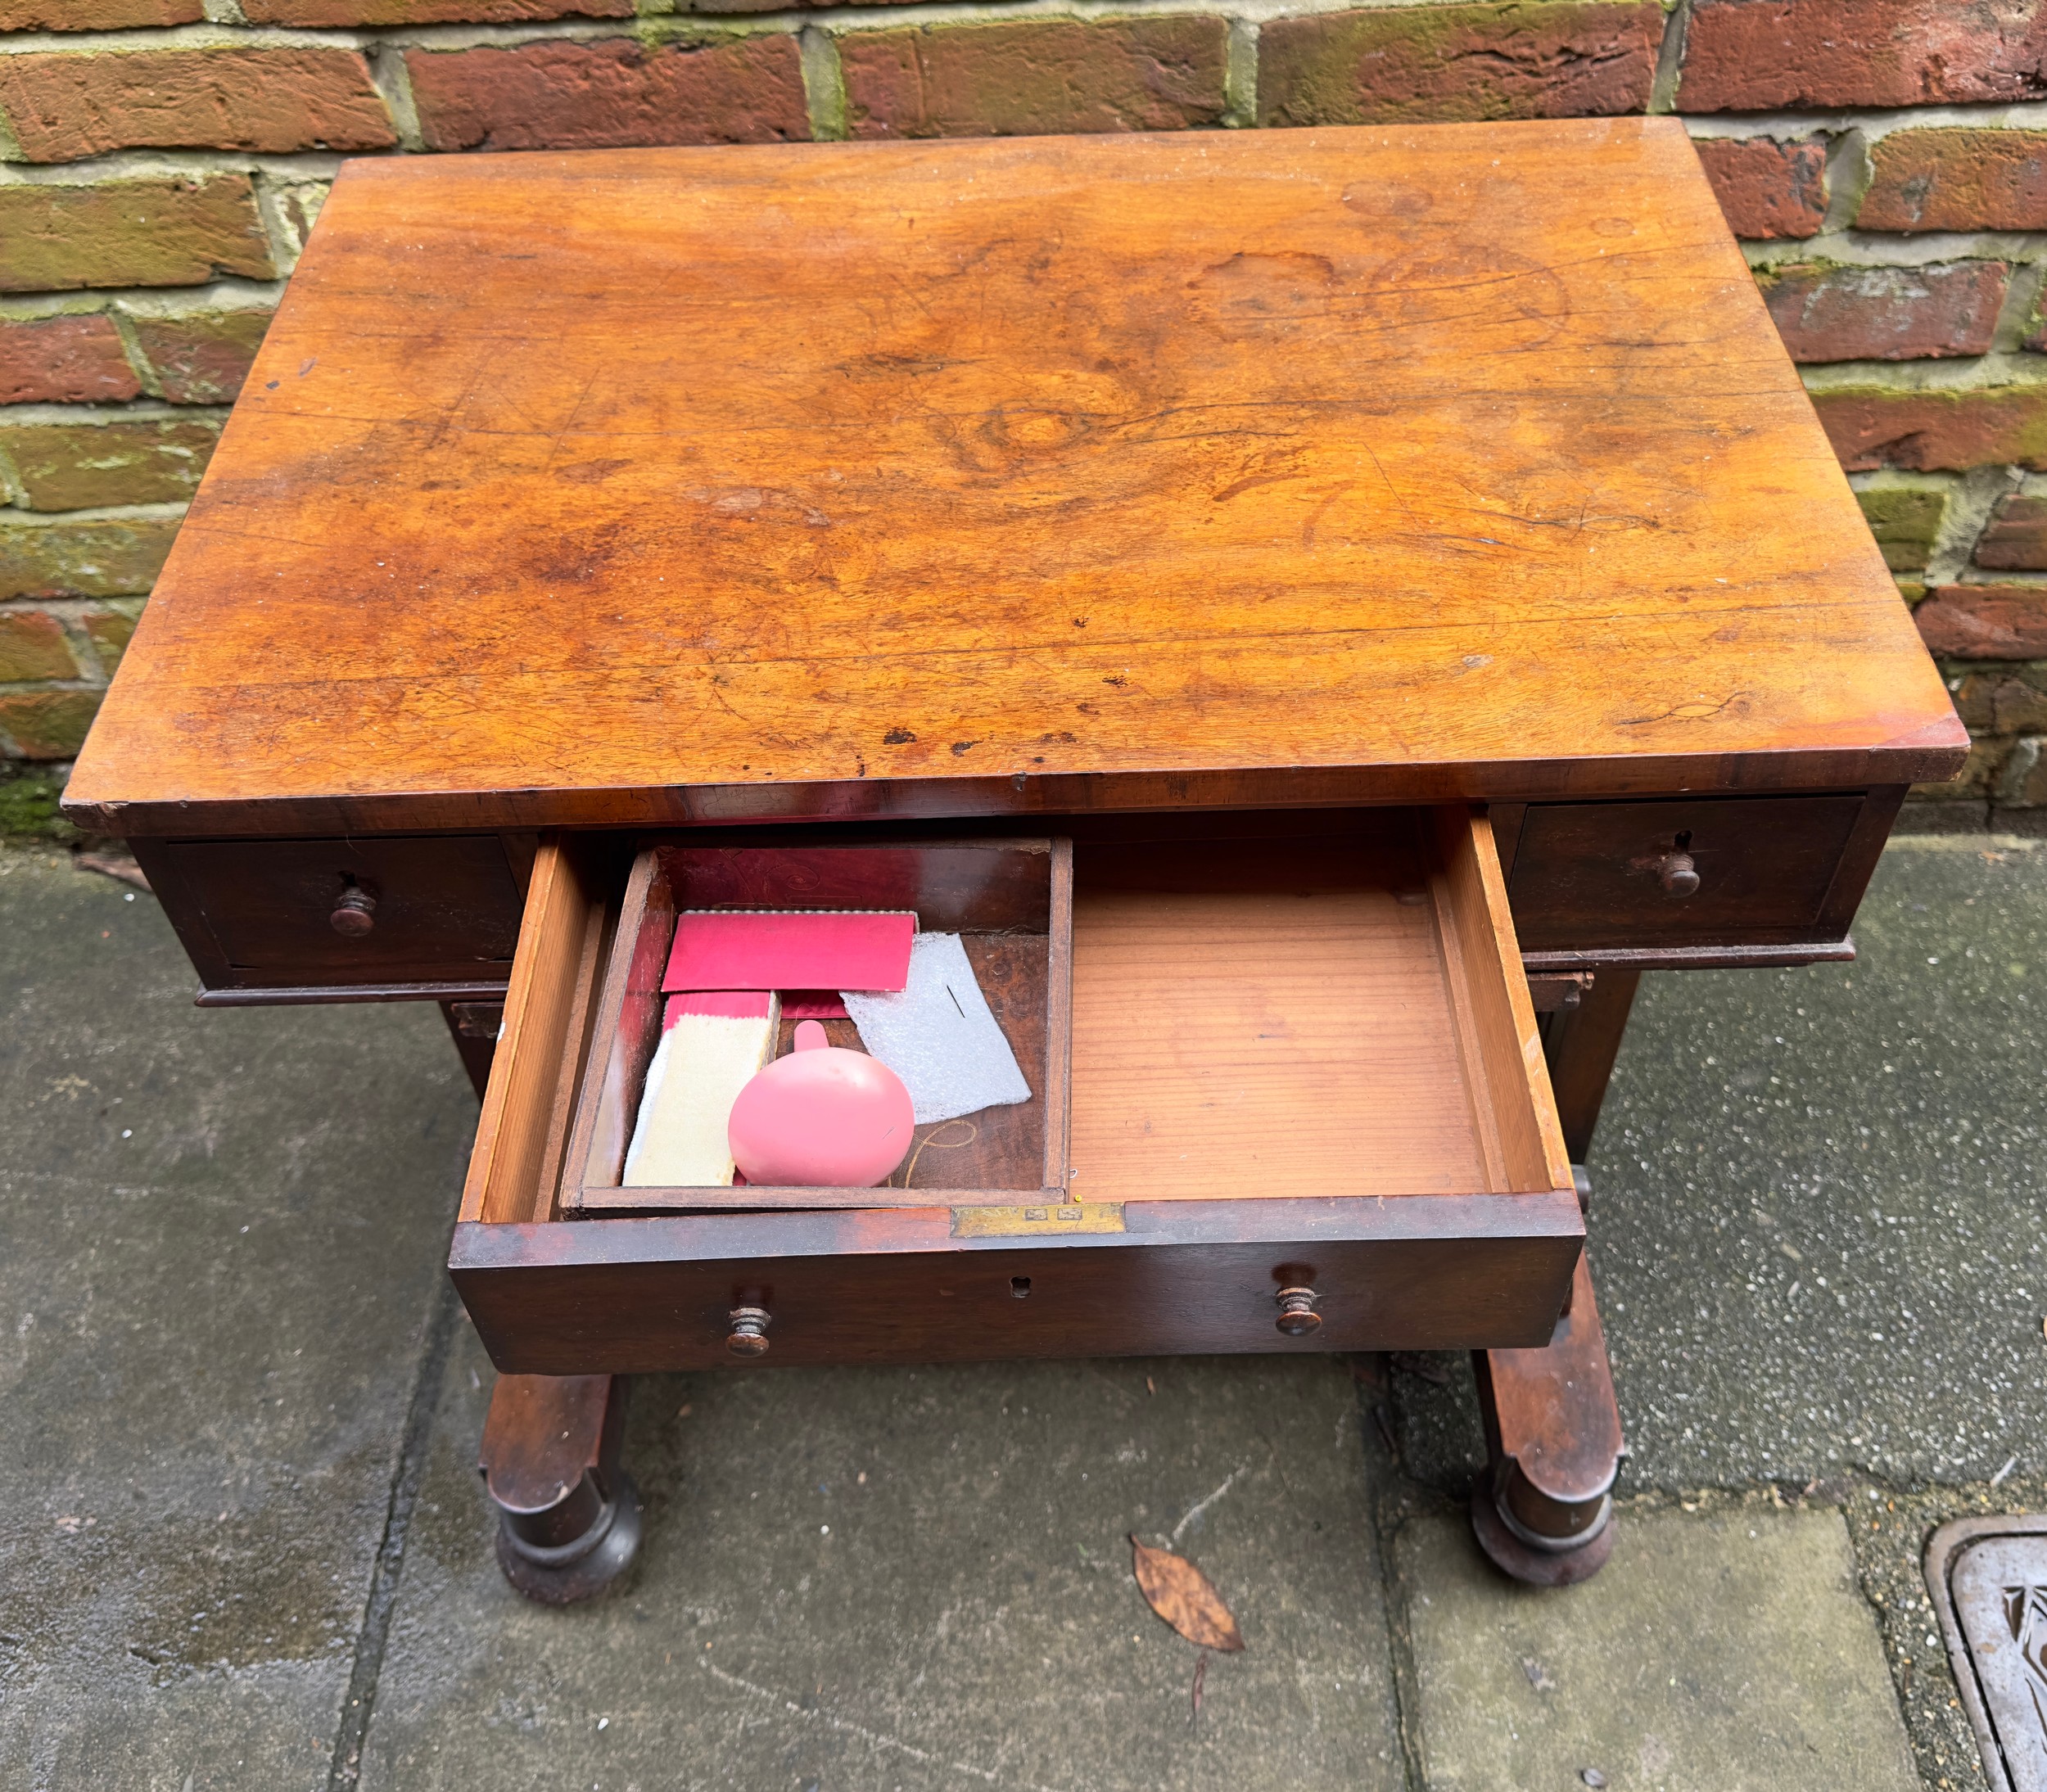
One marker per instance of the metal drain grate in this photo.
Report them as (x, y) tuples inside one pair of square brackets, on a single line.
[(1988, 1577)]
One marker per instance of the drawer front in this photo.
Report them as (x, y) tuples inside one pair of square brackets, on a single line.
[(298, 912), (660, 1294), (1645, 874), (1460, 1226)]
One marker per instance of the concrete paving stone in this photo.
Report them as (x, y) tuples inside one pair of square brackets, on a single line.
[(915, 1578), (1727, 1650), (1817, 1202), (220, 1233)]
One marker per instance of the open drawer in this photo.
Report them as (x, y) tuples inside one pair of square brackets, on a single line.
[(1306, 1108)]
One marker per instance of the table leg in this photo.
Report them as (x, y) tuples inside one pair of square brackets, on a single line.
[(568, 1516), (473, 1026), (1543, 1510)]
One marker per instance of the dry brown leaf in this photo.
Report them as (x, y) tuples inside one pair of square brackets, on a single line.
[(1182, 1596)]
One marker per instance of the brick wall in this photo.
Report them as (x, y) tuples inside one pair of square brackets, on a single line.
[(1883, 161)]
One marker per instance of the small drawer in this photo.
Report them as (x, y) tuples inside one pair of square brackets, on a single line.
[(1307, 1109), (305, 915), (1588, 877)]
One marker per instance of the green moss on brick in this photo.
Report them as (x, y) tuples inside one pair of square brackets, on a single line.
[(1494, 60), (47, 725), (110, 630), (118, 557), (139, 461), (32, 646), (1905, 523)]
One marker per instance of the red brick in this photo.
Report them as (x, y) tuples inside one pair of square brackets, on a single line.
[(63, 361), (1768, 189), (346, 13), (77, 103), (610, 94), (2004, 701), (1158, 73), (1985, 622), (1937, 432), (32, 646), (1833, 313), (114, 558), (1754, 55), (1957, 179), (202, 360), (111, 631), (129, 461), (1499, 59), (48, 724), (93, 15), (2015, 539), (176, 232)]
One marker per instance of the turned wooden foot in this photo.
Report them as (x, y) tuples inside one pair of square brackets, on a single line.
[(1543, 1510), (568, 1516)]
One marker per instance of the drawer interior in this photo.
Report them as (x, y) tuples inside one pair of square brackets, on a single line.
[(1010, 902), (1338, 1014)]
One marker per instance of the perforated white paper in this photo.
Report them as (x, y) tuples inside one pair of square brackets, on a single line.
[(938, 1035)]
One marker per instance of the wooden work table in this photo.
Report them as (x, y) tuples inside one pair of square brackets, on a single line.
[(1423, 516)]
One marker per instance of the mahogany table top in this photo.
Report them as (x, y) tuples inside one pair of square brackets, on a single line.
[(1379, 464)]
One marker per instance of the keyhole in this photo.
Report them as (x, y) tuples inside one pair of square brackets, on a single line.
[(1020, 1287)]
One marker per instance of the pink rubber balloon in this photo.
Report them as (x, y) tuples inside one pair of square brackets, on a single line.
[(821, 1117)]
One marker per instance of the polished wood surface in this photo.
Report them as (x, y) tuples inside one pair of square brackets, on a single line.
[(1385, 464)]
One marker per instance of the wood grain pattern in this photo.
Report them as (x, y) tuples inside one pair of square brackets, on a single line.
[(1505, 1044), (1303, 1021), (507, 1182), (754, 483)]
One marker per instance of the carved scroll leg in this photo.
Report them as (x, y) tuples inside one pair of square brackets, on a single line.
[(1543, 1510), (568, 1518)]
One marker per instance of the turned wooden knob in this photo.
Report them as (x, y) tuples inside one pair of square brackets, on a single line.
[(1678, 875), (355, 913), (748, 1336), (1297, 1317)]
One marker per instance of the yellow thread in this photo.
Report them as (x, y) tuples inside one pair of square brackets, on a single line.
[(931, 1138)]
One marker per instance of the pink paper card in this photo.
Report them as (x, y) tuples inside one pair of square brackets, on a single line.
[(789, 949)]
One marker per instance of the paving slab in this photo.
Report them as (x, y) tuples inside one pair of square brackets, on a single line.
[(915, 1578), (220, 1233), (1817, 1194), (1723, 1651)]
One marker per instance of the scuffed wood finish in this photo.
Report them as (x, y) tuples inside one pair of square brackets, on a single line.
[(666, 486)]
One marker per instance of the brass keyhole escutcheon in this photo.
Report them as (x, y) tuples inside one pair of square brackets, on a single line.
[(748, 1336), (1297, 1317)]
